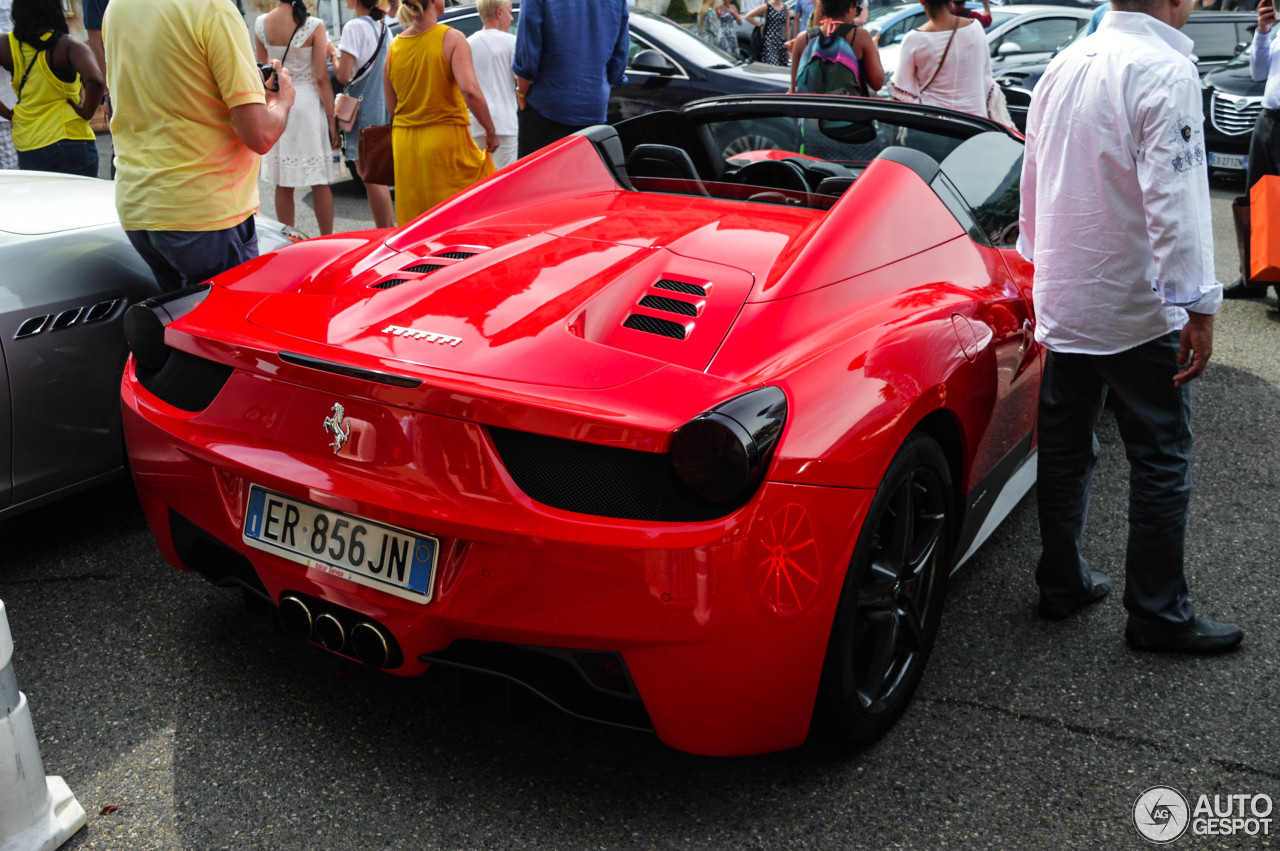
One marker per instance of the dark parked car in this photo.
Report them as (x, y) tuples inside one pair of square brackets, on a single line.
[(1217, 37), (668, 66), (1232, 103)]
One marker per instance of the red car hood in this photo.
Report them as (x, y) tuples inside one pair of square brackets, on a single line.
[(586, 303)]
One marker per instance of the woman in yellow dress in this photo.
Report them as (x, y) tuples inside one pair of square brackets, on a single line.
[(430, 83)]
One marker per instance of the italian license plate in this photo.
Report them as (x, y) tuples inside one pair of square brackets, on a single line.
[(1237, 161), (393, 560)]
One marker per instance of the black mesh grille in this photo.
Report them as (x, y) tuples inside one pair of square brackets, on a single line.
[(211, 558), (185, 381), (680, 287), (670, 305), (606, 481), (456, 255), (386, 285), (425, 268), (654, 325)]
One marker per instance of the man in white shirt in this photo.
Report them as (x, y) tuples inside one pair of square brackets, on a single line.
[(1264, 144), (492, 49), (1115, 215)]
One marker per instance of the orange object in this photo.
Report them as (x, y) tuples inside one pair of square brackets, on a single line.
[(1264, 241)]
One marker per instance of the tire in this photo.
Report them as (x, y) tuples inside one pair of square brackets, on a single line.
[(892, 599)]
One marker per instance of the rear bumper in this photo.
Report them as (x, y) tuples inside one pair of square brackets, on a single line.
[(722, 625)]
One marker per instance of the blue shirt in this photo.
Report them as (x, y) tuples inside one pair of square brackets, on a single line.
[(804, 11), (93, 10), (572, 51), (1096, 18)]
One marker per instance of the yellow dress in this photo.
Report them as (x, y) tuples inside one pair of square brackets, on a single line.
[(435, 156)]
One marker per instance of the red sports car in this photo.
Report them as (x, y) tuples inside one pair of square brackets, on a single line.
[(680, 437)]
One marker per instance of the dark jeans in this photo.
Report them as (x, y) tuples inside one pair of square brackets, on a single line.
[(1154, 418), (537, 131), (180, 258), (70, 156)]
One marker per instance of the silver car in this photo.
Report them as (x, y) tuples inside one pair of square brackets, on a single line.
[(67, 274)]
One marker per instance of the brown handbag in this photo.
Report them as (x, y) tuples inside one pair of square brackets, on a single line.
[(375, 162)]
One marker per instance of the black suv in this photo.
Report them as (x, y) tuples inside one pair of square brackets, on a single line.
[(1216, 36), (1232, 102)]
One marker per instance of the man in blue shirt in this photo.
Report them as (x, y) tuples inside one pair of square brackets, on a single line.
[(568, 54)]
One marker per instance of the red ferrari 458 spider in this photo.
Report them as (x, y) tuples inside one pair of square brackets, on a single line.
[(682, 423)]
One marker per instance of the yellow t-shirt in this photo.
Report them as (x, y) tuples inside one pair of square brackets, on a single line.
[(175, 69), (44, 114)]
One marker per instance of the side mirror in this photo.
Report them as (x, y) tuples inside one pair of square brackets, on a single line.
[(1240, 48), (1009, 48), (652, 62)]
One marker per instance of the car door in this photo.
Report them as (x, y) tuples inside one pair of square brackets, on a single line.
[(648, 90), (1034, 39)]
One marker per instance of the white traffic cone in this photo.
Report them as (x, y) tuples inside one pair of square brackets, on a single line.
[(37, 813)]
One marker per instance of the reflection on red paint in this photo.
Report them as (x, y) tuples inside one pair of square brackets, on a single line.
[(790, 566)]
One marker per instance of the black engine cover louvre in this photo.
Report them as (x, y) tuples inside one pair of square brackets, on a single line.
[(185, 381)]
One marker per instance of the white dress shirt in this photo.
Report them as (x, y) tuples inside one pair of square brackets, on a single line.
[(1115, 191), (1264, 64)]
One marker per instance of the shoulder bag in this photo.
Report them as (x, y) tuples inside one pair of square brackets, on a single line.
[(346, 107), (375, 160)]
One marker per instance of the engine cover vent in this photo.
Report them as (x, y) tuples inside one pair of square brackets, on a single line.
[(654, 325), (670, 305), (426, 268), (680, 287), (456, 255), (386, 285)]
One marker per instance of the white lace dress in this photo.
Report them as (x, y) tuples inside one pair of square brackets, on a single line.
[(302, 157)]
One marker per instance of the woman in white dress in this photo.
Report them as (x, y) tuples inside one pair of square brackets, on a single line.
[(945, 62), (304, 154)]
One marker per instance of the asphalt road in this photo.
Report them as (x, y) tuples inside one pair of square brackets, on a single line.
[(154, 693)]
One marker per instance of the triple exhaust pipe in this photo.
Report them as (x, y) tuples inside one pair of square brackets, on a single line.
[(365, 640)]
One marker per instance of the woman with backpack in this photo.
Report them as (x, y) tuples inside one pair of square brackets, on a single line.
[(59, 86), (836, 57)]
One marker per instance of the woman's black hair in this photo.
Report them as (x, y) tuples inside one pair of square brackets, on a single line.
[(34, 18), (375, 11), (837, 9), (300, 13)]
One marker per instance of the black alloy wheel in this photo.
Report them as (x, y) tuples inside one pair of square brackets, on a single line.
[(892, 599)]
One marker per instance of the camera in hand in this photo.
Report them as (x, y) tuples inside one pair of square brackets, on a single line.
[(269, 78)]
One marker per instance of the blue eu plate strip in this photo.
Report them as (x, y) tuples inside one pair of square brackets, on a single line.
[(253, 523), (424, 553)]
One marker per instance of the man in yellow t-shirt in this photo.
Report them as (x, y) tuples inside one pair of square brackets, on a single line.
[(190, 119)]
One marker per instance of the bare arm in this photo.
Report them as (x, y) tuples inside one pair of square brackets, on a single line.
[(797, 50), (344, 67), (751, 16), (1195, 347), (259, 125), (80, 58), (869, 54), (464, 75), (388, 90), (320, 73)]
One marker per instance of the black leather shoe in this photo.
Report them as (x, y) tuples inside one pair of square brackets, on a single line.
[(1239, 290), (1055, 610), (1200, 635)]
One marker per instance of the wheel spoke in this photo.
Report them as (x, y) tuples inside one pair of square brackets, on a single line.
[(879, 588), (883, 631)]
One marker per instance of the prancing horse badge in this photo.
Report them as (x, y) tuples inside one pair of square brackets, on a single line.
[(334, 424)]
